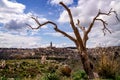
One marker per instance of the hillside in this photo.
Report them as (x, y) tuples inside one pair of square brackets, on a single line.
[(19, 53)]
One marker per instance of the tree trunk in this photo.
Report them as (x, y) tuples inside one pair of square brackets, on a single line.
[(87, 65)]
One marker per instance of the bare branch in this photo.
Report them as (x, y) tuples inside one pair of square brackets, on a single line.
[(92, 23), (55, 28), (30, 26), (85, 37), (75, 29), (116, 15), (65, 34), (104, 23), (106, 29), (81, 27), (104, 26), (110, 11), (36, 20)]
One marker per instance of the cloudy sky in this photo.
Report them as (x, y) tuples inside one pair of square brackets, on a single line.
[(14, 14)]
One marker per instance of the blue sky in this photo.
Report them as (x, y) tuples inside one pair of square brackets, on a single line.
[(14, 14), (41, 7)]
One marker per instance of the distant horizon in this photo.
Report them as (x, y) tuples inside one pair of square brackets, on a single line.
[(59, 47)]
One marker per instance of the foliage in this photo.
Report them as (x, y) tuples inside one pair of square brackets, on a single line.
[(117, 77), (52, 67), (3, 78), (30, 69), (50, 76), (20, 69), (78, 75)]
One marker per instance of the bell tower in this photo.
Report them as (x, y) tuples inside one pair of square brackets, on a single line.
[(51, 44)]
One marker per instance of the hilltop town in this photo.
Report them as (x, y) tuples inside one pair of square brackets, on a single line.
[(51, 52)]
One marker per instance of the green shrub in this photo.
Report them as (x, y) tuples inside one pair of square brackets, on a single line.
[(117, 77), (50, 76), (3, 78), (51, 67), (78, 75)]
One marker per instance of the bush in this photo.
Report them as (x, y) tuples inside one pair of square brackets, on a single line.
[(117, 77), (3, 78), (50, 76), (78, 75), (107, 66), (52, 68), (65, 70)]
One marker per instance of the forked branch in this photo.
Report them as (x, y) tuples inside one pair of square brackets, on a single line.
[(85, 36), (55, 28), (86, 32), (75, 29), (104, 23), (81, 27), (111, 11)]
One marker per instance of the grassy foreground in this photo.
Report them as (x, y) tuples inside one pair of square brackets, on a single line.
[(32, 69)]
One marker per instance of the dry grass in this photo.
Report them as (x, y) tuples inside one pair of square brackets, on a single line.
[(107, 66)]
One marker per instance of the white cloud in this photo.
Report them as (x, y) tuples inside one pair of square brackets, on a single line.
[(63, 17), (57, 34), (11, 7), (13, 17), (17, 41), (86, 10), (97, 38), (10, 10), (57, 1), (13, 20)]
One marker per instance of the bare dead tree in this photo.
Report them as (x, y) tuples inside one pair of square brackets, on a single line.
[(79, 41)]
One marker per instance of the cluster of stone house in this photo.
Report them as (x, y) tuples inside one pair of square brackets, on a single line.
[(50, 52), (53, 52)]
